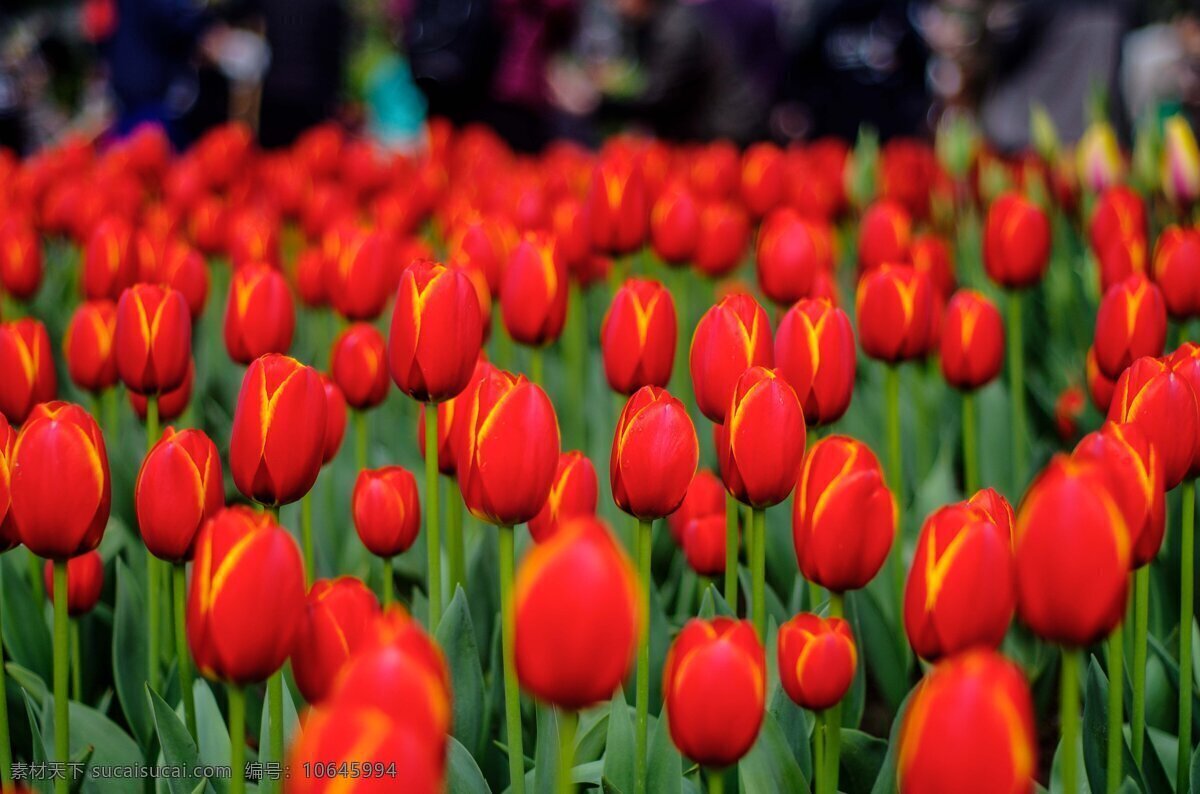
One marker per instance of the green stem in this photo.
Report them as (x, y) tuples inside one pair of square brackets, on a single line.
[(716, 780), (62, 727), (536, 365), (576, 351), (455, 547), (895, 476), (432, 536), (970, 445), (388, 573), (275, 704), (1069, 686), (568, 721), (1186, 583), (5, 746), (1141, 621), (759, 572), (643, 657), (111, 419), (76, 667), (1016, 373), (731, 552), (37, 582), (360, 438), (833, 715), (237, 739), (1116, 704), (306, 537), (152, 619), (182, 657), (512, 693), (818, 761)]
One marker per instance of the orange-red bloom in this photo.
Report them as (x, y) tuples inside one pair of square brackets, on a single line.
[(361, 278), (972, 341), (259, 317), (109, 260), (815, 353), (761, 445), (386, 510), (895, 307), (20, 258), (724, 235), (731, 337), (1162, 404), (654, 454), (705, 497), (884, 235), (817, 660), (574, 493), (152, 339), (637, 338), (337, 622), (791, 251), (85, 580), (8, 529), (358, 364), (1177, 270), (335, 419), (675, 224), (533, 300), (28, 367), (88, 346), (1130, 323), (1016, 242), (178, 488), (1185, 363)]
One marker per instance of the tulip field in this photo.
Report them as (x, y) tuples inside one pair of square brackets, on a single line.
[(838, 467)]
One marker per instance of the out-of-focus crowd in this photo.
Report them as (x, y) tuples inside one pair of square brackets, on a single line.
[(537, 70)]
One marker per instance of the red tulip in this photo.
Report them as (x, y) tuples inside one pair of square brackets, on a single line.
[(972, 341), (817, 660), (930, 255), (436, 333), (336, 624), (508, 450), (8, 529), (703, 542), (1164, 407), (731, 337), (386, 510), (533, 300), (278, 437), (895, 306), (359, 366), (1016, 242), (152, 339), (577, 616), (761, 445), (884, 235), (675, 224), (20, 259), (705, 497), (844, 516), (1067, 410), (109, 260), (172, 404), (85, 580), (791, 251), (246, 567), (815, 353), (310, 278), (259, 317), (28, 368), (60, 443), (1100, 386), (654, 454), (1185, 363), (1131, 323), (182, 268), (88, 346), (617, 205), (969, 727), (361, 279), (335, 419), (574, 494), (637, 337), (714, 682), (1177, 270), (724, 235), (762, 178), (178, 488), (484, 244)]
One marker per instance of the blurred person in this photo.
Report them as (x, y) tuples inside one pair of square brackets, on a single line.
[(395, 108), (451, 50)]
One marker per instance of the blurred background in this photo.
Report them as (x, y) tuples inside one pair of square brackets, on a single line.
[(539, 70)]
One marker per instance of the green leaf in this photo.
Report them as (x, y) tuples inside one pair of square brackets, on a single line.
[(38, 744), (862, 757), (884, 664), (664, 766), (794, 723), (542, 778), (213, 738), (177, 746), (290, 724), (129, 652), (485, 585), (1195, 776), (620, 747), (770, 765), (26, 637), (113, 747), (28, 680), (712, 604), (462, 773), (1095, 726), (886, 782), (456, 636), (589, 746)]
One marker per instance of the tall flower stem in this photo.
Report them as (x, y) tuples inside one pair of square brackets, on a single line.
[(183, 659), (433, 541), (759, 572), (512, 693), (388, 573), (1116, 704), (5, 746), (153, 568), (455, 545), (1016, 374), (360, 440), (275, 705), (62, 728), (833, 716), (306, 537), (970, 444), (76, 666), (576, 344), (568, 721), (1186, 606), (1141, 626), (537, 366), (818, 760), (1069, 686), (237, 739), (643, 657), (895, 476), (731, 552), (716, 780)]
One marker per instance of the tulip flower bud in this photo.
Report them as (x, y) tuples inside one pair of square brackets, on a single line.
[(817, 660), (335, 419), (310, 278), (246, 567), (1068, 408), (508, 450), (969, 727), (844, 516), (28, 367), (731, 337), (791, 251), (109, 260), (884, 235), (895, 307), (577, 616), (1185, 363), (705, 497), (182, 268), (178, 488), (654, 454), (703, 542), (960, 591), (88, 346), (8, 529), (724, 235), (1180, 162), (1164, 407), (359, 366), (930, 255), (675, 224), (574, 494), (484, 244), (972, 341), (761, 445), (533, 300), (637, 337), (337, 621), (278, 437), (60, 443), (1117, 233), (20, 258), (360, 280), (386, 509), (152, 339), (762, 178), (1131, 323), (85, 580), (1177, 270), (172, 404), (1100, 386), (815, 353), (1072, 548), (1016, 242), (436, 333), (617, 205), (1100, 163), (260, 317), (714, 684)]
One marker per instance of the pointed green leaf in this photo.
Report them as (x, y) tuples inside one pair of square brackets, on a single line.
[(619, 748), (178, 749), (129, 654), (456, 636)]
